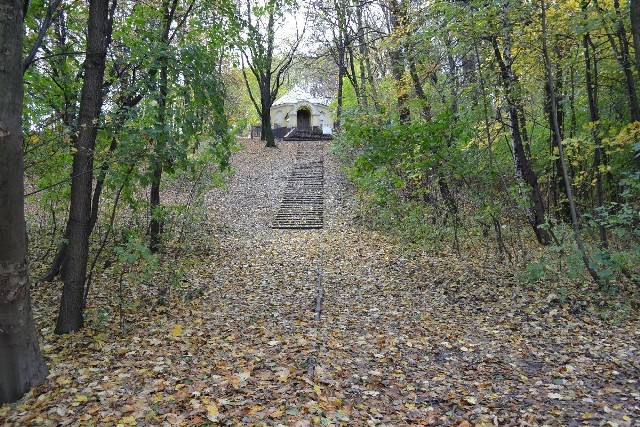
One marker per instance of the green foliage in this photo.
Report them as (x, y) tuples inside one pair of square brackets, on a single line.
[(134, 250), (396, 167), (452, 163)]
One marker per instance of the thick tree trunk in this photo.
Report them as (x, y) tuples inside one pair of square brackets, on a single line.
[(21, 364), (70, 317), (267, 132)]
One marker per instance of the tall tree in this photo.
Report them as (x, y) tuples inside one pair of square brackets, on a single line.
[(21, 363), (155, 225), (511, 86), (265, 64), (397, 18), (634, 11), (100, 24), (586, 259), (620, 47)]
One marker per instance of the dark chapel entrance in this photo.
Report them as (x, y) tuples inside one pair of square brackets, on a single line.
[(304, 119)]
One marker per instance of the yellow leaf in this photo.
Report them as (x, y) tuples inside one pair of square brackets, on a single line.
[(317, 389), (128, 421), (276, 414), (255, 408), (63, 380), (212, 412), (176, 331), (80, 398), (471, 400)]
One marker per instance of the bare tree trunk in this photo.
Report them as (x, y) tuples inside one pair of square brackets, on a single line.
[(268, 71), (634, 11), (21, 364), (562, 208), (268, 131), (591, 73), (340, 37), (621, 50), (58, 260), (339, 96), (156, 222), (68, 113), (586, 259), (523, 166), (573, 128), (362, 55), (352, 75), (497, 226), (397, 15), (417, 87), (70, 317)]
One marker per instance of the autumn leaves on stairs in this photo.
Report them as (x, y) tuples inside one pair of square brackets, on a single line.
[(301, 206)]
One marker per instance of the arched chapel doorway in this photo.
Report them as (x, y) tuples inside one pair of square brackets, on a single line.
[(304, 118)]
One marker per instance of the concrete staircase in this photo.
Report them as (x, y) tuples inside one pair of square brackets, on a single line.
[(309, 134)]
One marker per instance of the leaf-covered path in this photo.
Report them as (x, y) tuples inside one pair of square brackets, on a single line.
[(404, 338)]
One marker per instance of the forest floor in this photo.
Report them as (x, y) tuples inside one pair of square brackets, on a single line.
[(404, 337)]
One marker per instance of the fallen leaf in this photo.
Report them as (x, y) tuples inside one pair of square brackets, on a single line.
[(212, 412), (176, 331)]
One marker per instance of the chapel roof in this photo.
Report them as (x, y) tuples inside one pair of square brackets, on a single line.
[(299, 94)]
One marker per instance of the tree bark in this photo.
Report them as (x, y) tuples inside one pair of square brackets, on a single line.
[(21, 364), (621, 50), (523, 167), (397, 15), (339, 95), (155, 225), (591, 76), (567, 183), (70, 317), (268, 70), (419, 90), (362, 55), (267, 130), (562, 208), (634, 11)]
